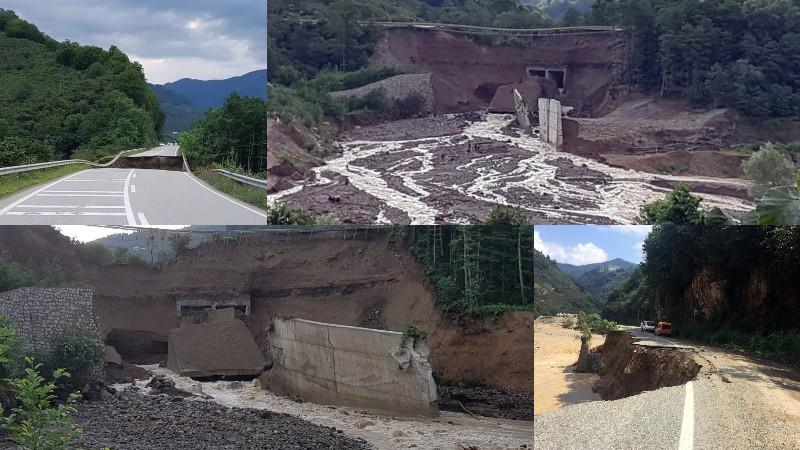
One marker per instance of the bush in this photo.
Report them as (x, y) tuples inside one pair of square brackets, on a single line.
[(77, 353), (409, 106), (414, 334), (13, 275), (38, 423), (9, 348), (569, 323)]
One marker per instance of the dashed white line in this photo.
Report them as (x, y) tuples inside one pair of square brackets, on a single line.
[(127, 197), (687, 425), (143, 220), (133, 188)]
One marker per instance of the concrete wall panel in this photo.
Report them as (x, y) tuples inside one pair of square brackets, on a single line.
[(360, 367)]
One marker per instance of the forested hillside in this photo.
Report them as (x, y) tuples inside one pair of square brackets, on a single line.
[(731, 53), (476, 270), (599, 279), (179, 110), (314, 44), (555, 292), (64, 100)]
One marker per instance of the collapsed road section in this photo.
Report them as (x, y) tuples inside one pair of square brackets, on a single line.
[(328, 338), (668, 392)]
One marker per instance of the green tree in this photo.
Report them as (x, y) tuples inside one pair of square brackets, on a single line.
[(39, 422), (768, 168), (679, 207)]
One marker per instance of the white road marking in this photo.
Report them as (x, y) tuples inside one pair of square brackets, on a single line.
[(54, 213), (115, 180), (23, 199), (79, 195), (83, 192), (134, 176), (227, 198), (128, 209), (143, 219), (133, 188), (69, 207), (687, 425)]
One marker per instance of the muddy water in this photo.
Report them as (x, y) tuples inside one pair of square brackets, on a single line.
[(446, 432), (529, 182)]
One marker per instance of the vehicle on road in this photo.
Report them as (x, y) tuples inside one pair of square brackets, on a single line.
[(663, 329), (648, 326)]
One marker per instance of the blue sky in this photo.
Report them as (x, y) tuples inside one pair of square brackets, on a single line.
[(587, 244), (172, 39)]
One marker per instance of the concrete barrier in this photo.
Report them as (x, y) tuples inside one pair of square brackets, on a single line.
[(336, 364), (223, 347)]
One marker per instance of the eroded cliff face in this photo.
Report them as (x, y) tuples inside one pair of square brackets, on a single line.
[(761, 298), (369, 282)]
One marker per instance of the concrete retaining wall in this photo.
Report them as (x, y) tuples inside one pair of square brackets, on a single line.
[(336, 364)]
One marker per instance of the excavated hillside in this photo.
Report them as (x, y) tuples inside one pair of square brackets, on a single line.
[(466, 75), (366, 282)]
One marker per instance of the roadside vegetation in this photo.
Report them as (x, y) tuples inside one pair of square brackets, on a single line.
[(61, 100), (36, 403), (704, 278), (16, 182), (477, 271)]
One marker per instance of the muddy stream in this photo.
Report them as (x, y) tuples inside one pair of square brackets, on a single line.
[(423, 178)]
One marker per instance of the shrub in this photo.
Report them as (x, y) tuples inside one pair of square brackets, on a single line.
[(414, 334), (409, 106), (13, 275), (38, 423), (9, 348), (77, 353), (568, 323)]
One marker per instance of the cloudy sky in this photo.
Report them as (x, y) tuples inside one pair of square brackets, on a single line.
[(588, 244), (172, 39)]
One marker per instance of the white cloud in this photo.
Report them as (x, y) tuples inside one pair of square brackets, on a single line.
[(580, 254)]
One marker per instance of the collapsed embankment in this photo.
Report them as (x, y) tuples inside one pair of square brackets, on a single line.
[(626, 369), (367, 282), (465, 75)]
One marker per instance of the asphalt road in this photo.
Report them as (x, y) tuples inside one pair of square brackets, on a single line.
[(164, 150), (703, 414), (127, 197)]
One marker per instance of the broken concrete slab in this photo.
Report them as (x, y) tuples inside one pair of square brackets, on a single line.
[(218, 348), (112, 355), (373, 369)]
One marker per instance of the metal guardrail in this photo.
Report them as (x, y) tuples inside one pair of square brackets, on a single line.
[(68, 162), (242, 178)]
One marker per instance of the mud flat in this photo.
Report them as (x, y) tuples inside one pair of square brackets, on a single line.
[(464, 165), (555, 350)]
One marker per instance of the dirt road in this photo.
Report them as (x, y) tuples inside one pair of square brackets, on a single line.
[(758, 409), (556, 349)]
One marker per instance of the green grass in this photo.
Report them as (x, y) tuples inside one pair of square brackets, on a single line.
[(13, 183), (244, 192)]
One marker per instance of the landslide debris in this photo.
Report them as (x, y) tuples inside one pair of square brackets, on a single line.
[(626, 369), (487, 401), (130, 420)]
